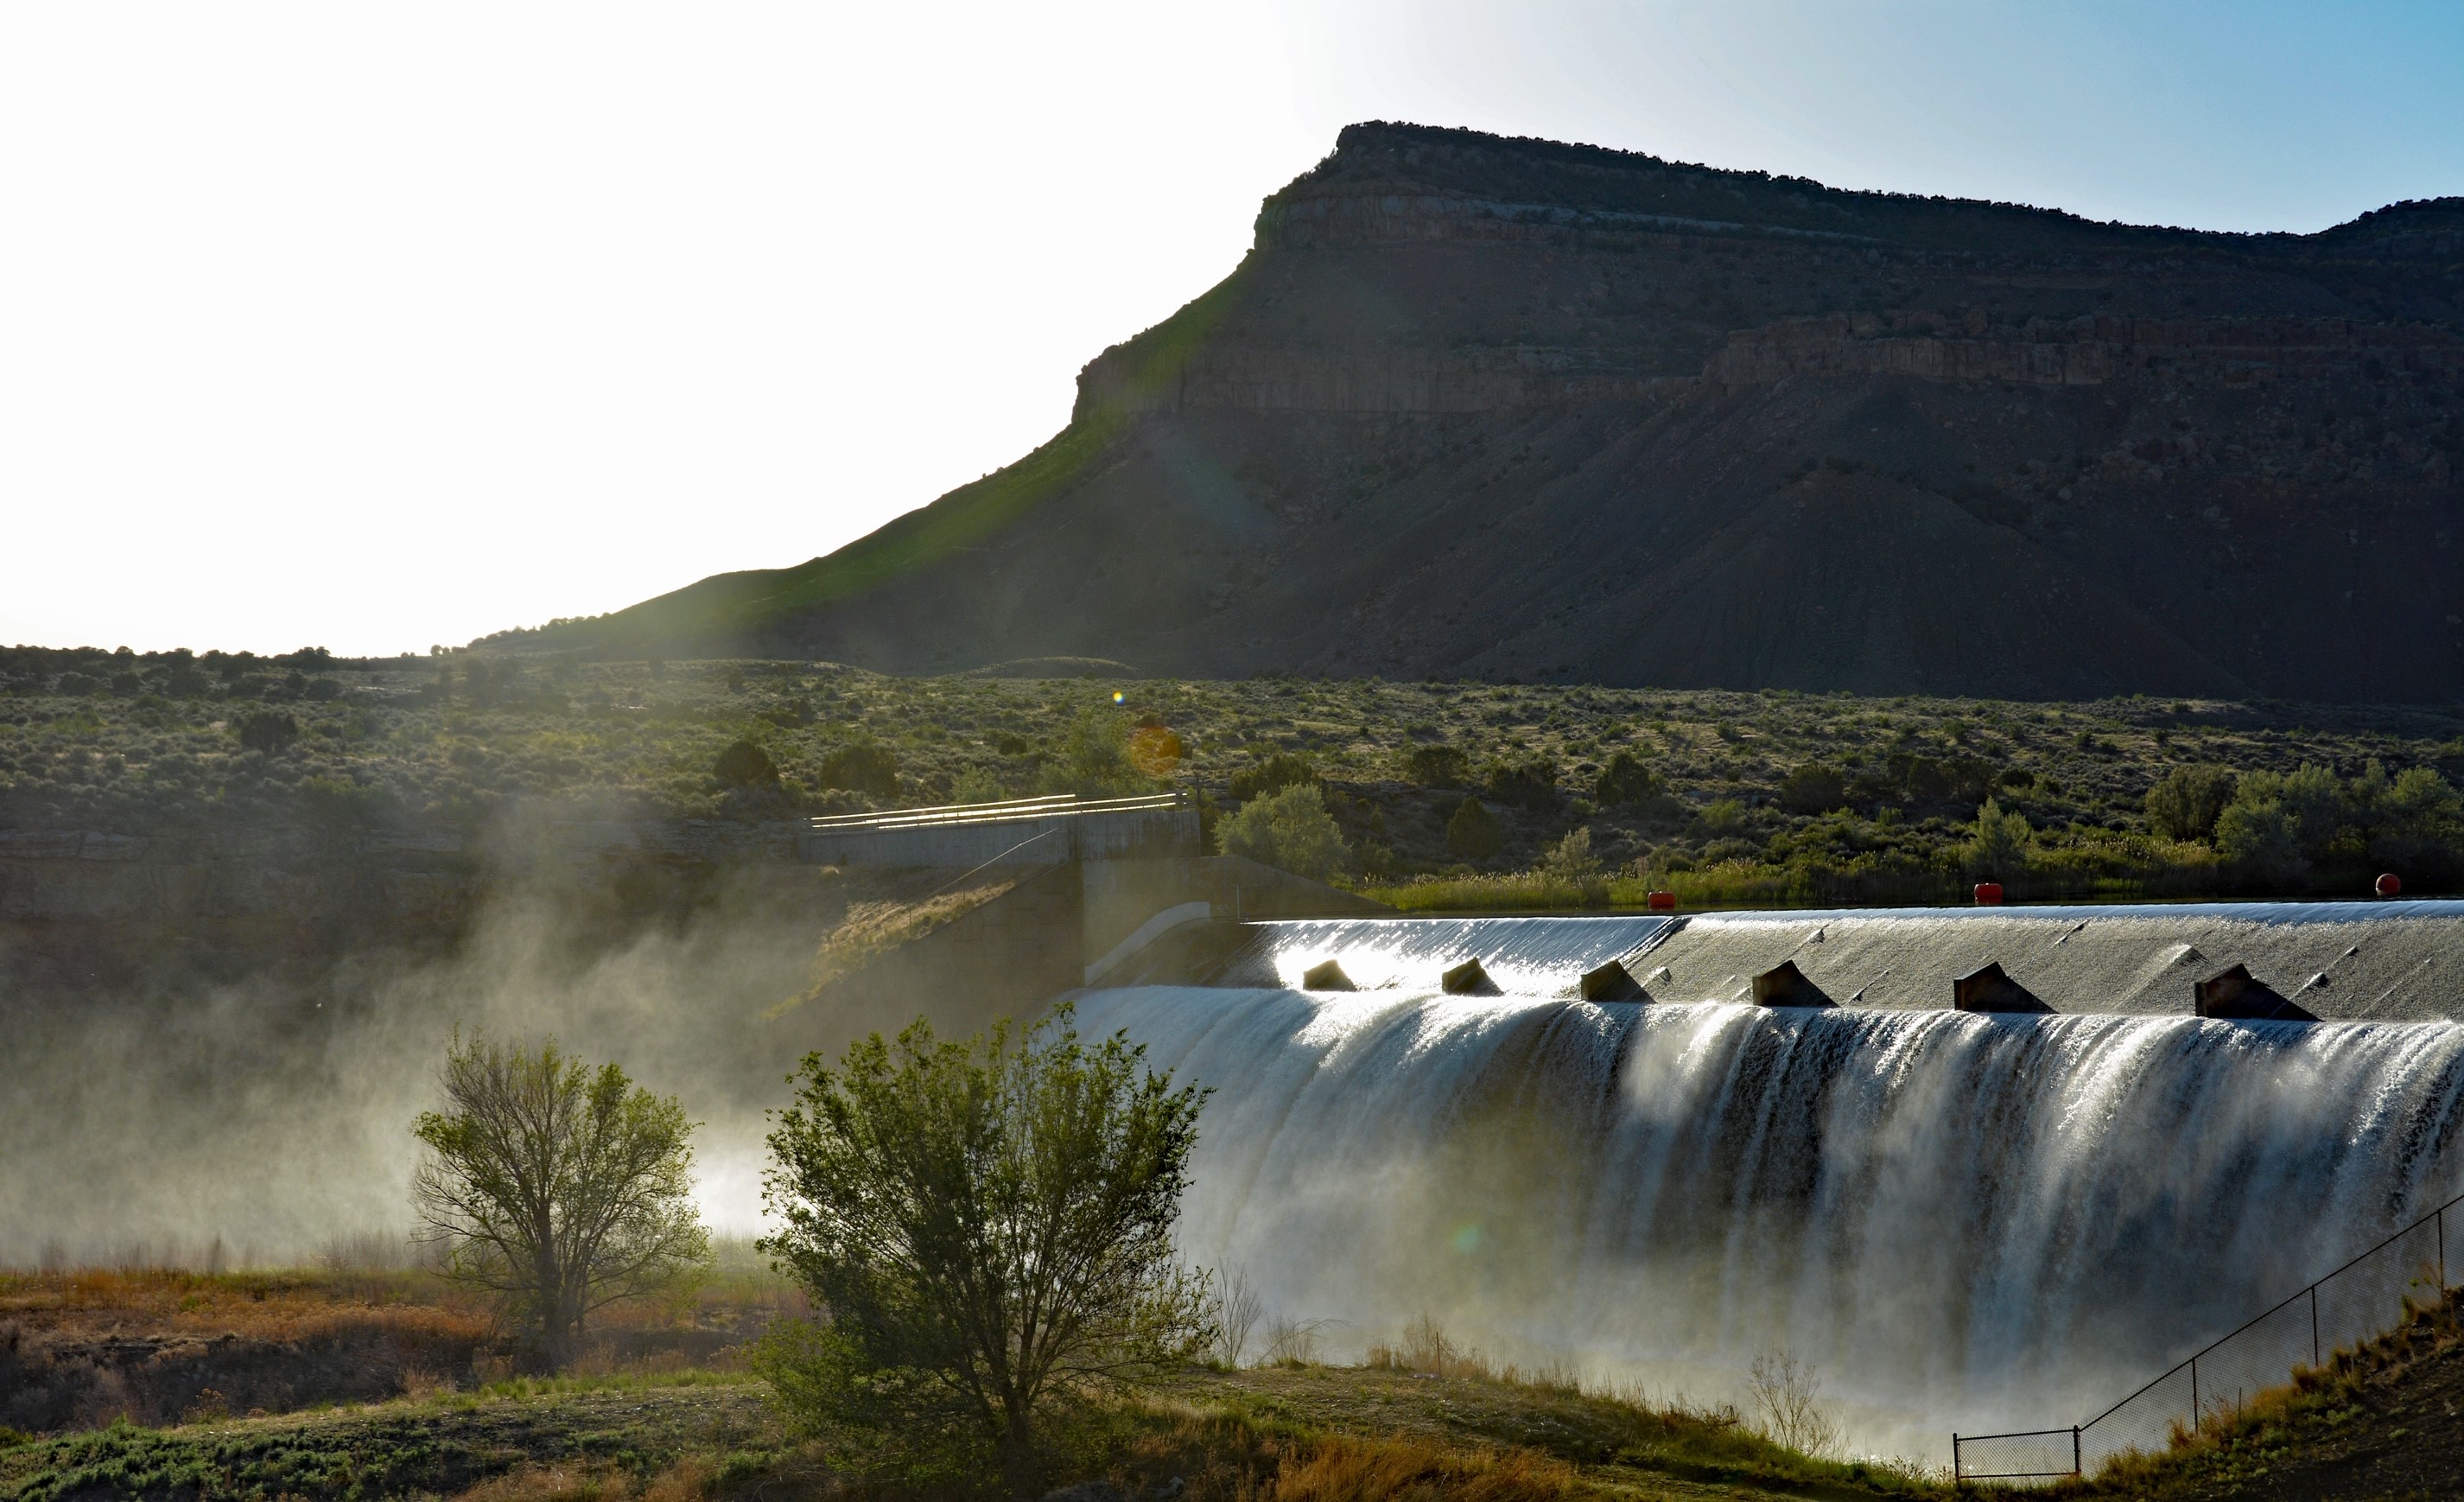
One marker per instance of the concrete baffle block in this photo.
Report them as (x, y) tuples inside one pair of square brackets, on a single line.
[(1326, 976), (2236, 995), (1784, 984), (1468, 979), (1613, 982), (1991, 990)]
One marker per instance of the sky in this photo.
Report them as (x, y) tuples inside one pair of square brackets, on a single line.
[(378, 327)]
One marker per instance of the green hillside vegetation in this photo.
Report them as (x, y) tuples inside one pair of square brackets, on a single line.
[(1440, 794)]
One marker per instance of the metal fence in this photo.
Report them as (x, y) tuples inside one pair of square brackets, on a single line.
[(2366, 1297)]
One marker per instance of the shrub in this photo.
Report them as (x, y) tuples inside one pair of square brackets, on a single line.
[(1289, 830), (1474, 832), (743, 764), (862, 767), (1571, 859), (1815, 787), (1528, 783), (1273, 775), (271, 731), (1436, 766), (1625, 779), (1723, 816), (922, 1190)]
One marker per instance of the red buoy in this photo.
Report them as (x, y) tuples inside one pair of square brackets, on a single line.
[(1988, 894), (2390, 885), (1662, 901)]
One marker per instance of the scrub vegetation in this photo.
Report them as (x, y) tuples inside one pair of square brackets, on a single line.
[(1428, 795)]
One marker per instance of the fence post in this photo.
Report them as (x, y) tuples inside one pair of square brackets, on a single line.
[(2442, 1251), (2314, 1324), (2194, 1396), (2074, 1451), (1954, 1455)]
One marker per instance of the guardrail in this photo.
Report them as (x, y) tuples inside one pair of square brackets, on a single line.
[(2366, 1296), (1062, 804)]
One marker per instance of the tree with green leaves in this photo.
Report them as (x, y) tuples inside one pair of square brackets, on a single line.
[(557, 1187), (1999, 841), (1290, 830), (988, 1225), (2185, 802), (1473, 832)]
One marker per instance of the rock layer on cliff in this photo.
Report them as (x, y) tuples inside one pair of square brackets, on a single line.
[(1482, 408)]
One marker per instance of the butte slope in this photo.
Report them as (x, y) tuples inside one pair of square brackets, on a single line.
[(1483, 408)]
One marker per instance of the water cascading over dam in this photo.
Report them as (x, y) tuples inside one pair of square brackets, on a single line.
[(1959, 1219)]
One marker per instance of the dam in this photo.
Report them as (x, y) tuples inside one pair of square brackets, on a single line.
[(1965, 1219)]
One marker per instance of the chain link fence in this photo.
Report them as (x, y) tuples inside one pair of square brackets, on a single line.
[(2366, 1297)]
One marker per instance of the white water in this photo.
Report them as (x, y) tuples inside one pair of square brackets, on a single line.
[(1965, 1222)]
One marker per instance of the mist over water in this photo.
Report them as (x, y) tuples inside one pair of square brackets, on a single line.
[(1966, 1222)]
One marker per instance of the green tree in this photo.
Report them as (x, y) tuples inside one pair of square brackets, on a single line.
[(1571, 861), (1625, 779), (271, 731), (1436, 766), (2186, 803), (1998, 844), (989, 1225), (2258, 835), (1814, 787), (861, 766), (744, 765), (556, 1187), (2419, 825), (1474, 832), (1094, 758), (1291, 829), (1531, 783), (1273, 775)]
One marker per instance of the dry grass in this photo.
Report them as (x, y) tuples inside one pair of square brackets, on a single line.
[(887, 909), (691, 1480), (1340, 1469), (275, 1307)]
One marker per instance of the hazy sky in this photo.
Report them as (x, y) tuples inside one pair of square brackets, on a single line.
[(378, 326)]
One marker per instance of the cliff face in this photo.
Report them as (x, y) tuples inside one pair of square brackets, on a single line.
[(1487, 408)]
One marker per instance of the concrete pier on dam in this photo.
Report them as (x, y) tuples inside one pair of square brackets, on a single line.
[(2354, 962)]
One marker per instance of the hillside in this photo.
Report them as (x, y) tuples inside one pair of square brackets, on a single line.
[(2378, 1421), (1515, 411)]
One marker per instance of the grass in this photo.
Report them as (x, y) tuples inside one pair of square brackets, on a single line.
[(2374, 1419), (1292, 1434), (1427, 1419)]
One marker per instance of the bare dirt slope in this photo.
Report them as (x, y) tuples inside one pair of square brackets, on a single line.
[(1502, 409)]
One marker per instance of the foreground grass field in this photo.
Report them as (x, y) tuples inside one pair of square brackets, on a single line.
[(381, 1384), (1295, 1433), (664, 1408)]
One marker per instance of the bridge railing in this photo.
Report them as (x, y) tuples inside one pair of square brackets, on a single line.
[(2366, 1297)]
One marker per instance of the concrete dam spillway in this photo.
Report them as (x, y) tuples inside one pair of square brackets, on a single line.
[(1964, 1220)]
